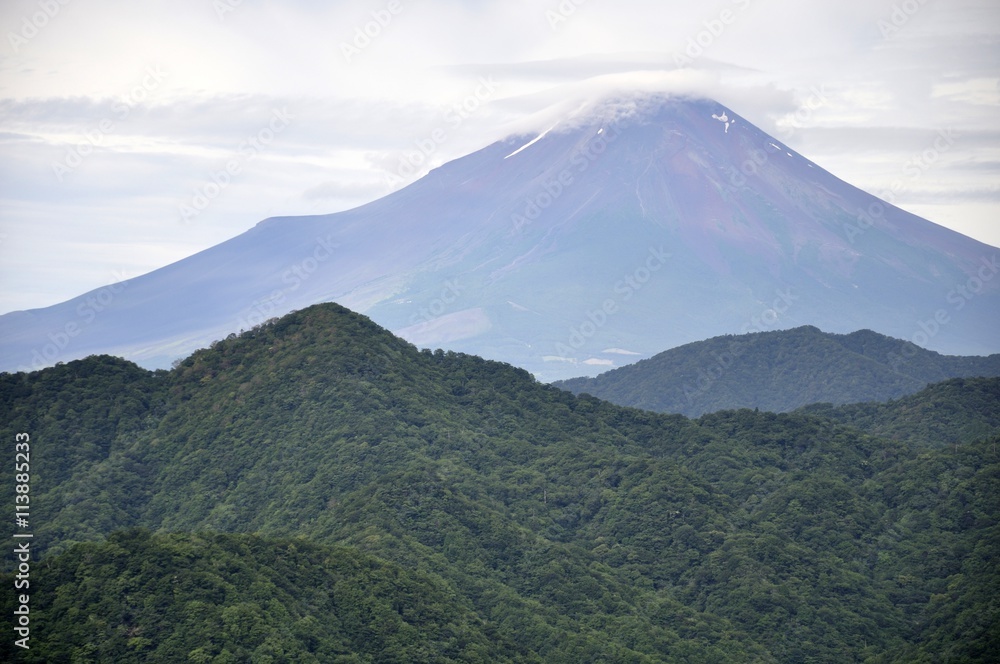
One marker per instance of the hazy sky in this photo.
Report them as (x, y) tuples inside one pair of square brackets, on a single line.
[(137, 133)]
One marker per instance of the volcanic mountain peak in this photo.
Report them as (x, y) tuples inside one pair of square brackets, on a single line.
[(628, 226)]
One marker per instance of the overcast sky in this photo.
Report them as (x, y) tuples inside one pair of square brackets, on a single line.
[(137, 133)]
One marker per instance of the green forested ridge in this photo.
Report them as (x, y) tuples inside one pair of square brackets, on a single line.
[(779, 371), (564, 528), (955, 411), (235, 598)]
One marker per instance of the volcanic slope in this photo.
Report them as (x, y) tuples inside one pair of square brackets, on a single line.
[(634, 225)]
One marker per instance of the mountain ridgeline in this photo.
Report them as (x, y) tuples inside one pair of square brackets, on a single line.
[(318, 490), (779, 371)]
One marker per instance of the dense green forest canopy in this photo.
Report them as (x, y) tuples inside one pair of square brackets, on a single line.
[(779, 371), (953, 412), (212, 597), (495, 516)]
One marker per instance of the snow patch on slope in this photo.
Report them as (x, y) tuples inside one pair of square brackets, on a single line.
[(723, 118), (532, 142)]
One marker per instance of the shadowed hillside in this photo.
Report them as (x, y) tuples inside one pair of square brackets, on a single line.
[(779, 371)]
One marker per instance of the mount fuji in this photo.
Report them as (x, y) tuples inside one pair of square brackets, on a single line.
[(634, 226)]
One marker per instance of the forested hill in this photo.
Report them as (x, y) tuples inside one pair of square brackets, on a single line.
[(484, 515), (779, 371), (956, 411)]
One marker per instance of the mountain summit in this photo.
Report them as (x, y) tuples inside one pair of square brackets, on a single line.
[(634, 226)]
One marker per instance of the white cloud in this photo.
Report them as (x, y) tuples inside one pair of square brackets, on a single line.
[(979, 91)]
